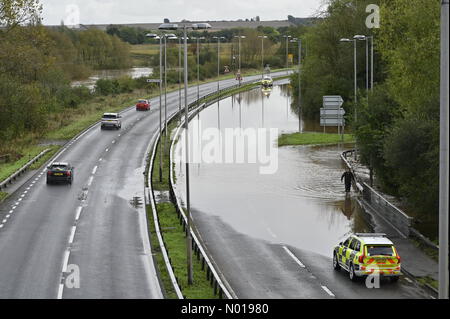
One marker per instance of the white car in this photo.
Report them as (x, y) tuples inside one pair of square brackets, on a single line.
[(111, 120)]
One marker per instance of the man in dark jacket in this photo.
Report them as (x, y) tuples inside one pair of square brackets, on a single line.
[(348, 177)]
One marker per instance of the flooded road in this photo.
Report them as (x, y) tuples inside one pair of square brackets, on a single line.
[(111, 74), (302, 204)]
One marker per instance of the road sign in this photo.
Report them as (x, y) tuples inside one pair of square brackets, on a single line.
[(332, 122), (332, 101), (332, 113), (153, 80)]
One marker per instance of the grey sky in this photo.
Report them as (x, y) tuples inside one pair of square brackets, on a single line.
[(143, 11)]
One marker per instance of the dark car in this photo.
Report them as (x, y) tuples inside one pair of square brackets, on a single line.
[(60, 172)]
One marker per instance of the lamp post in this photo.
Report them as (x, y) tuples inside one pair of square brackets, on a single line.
[(166, 26), (365, 38), (299, 41), (262, 53), (443, 157), (156, 37), (355, 86), (218, 62), (239, 53), (287, 51)]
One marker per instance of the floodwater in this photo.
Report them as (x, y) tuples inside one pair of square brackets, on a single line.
[(301, 202), (111, 74)]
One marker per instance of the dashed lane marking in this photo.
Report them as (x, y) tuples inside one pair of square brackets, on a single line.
[(294, 257), (328, 291)]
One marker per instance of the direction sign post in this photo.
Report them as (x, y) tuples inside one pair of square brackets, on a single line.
[(332, 114)]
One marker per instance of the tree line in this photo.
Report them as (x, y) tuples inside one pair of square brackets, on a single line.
[(397, 124), (37, 65)]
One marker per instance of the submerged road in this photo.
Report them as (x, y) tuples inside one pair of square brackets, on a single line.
[(50, 232), (272, 235)]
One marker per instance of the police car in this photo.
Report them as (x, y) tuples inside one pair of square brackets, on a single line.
[(363, 254)]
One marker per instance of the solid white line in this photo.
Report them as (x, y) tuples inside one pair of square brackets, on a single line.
[(94, 170), (90, 180), (293, 257), (72, 234), (328, 291), (79, 209), (60, 291), (65, 260)]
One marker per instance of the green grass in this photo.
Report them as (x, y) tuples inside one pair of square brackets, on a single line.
[(313, 139), (3, 195), (175, 241), (26, 154), (430, 281), (156, 250)]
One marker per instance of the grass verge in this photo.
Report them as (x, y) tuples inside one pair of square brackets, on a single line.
[(428, 280), (310, 138), (3, 195)]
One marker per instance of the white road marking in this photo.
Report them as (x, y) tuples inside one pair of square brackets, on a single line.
[(17, 203), (4, 221), (113, 142), (65, 260), (94, 170), (20, 199), (90, 180), (11, 211), (79, 209), (7, 216), (1, 225), (107, 150), (72, 234), (100, 160), (408, 280), (22, 196), (60, 291), (328, 291), (14, 207), (293, 257)]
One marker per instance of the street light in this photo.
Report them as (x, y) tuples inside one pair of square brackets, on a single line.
[(239, 52), (186, 125), (262, 53), (355, 84), (365, 38), (218, 62), (156, 37), (287, 51), (299, 41)]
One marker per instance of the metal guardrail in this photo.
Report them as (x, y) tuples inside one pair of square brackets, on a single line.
[(22, 170), (212, 273)]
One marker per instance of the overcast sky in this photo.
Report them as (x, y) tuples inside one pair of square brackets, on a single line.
[(143, 11)]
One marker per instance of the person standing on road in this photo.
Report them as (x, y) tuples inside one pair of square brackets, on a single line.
[(347, 177)]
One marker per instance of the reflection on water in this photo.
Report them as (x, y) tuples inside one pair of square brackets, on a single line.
[(303, 204), (111, 74)]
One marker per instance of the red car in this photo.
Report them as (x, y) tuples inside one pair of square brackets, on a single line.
[(143, 105)]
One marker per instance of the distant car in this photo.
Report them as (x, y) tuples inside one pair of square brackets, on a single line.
[(60, 172), (364, 254), (111, 120), (143, 105)]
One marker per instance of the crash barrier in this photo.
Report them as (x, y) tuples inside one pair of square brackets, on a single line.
[(389, 212), (392, 214), (22, 170), (212, 274)]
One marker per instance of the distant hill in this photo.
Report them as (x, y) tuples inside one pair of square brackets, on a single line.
[(216, 25)]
